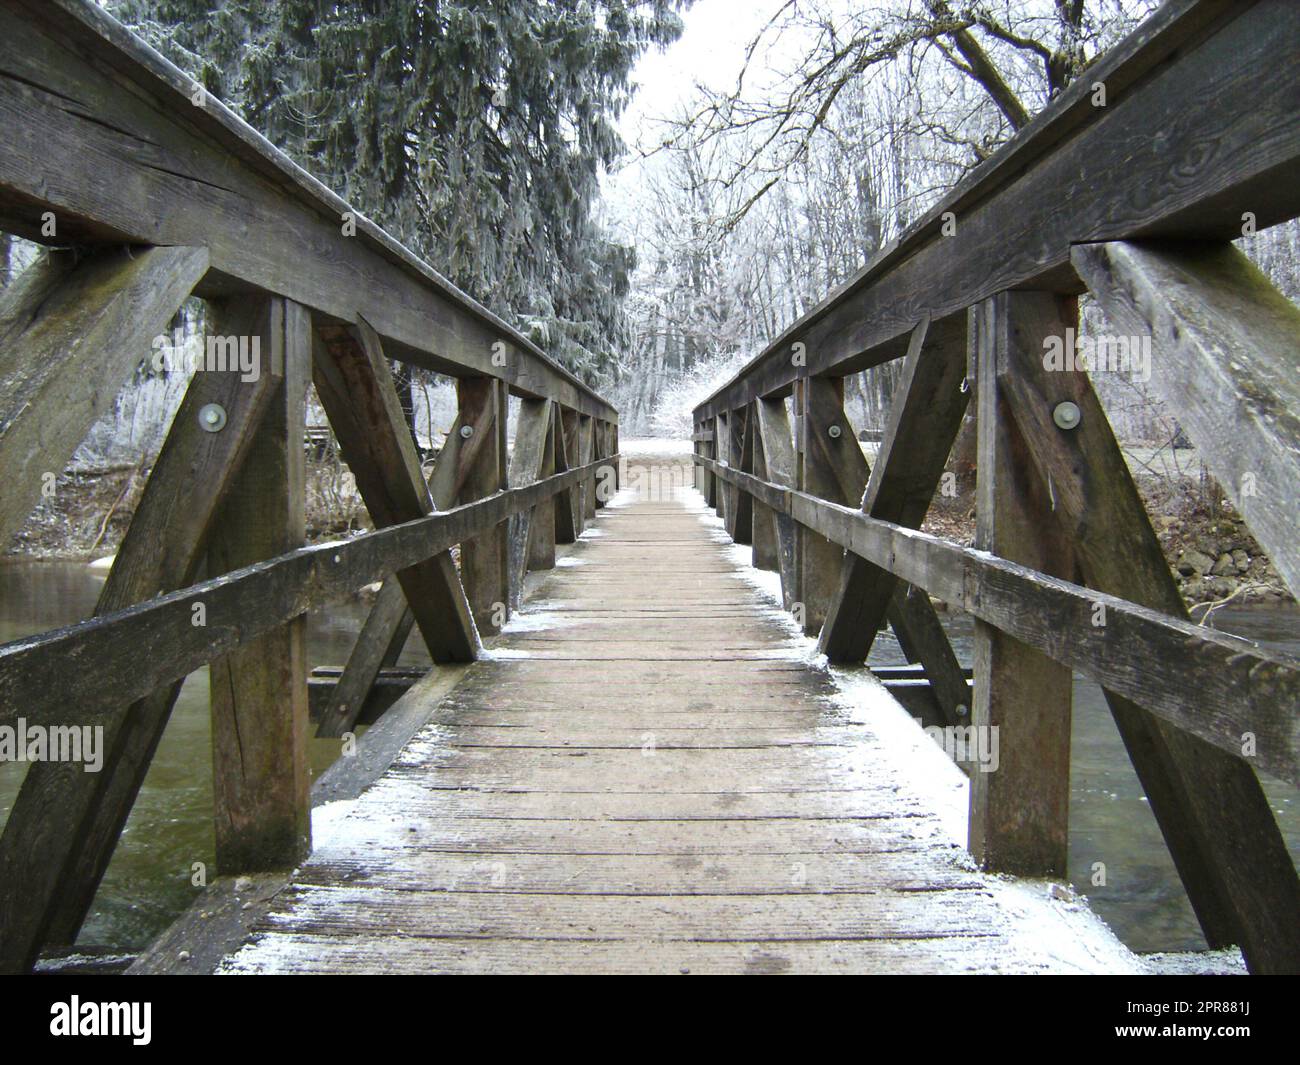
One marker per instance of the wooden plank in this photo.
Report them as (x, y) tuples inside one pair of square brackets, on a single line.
[(1212, 685), (923, 423), (922, 639), (104, 134), (566, 529), (484, 561), (356, 389), (1019, 816), (261, 775), (1214, 816), (528, 464), (72, 328), (65, 823), (1225, 358), (541, 533), (1053, 186)]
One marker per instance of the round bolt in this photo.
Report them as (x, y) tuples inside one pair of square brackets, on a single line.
[(212, 417), (834, 432), (962, 709), (1067, 415), (466, 431)]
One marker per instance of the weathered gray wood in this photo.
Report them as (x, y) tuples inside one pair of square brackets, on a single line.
[(567, 527), (261, 774), (922, 639), (763, 534), (1055, 185), (587, 445), (356, 389), (1215, 817), (923, 423), (832, 468), (1019, 816), (740, 516), (65, 823), (528, 464), (104, 133), (1225, 358), (777, 442), (1215, 686), (72, 327), (484, 559)]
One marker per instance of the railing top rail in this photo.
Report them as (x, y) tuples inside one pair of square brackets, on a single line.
[(56, 31), (1072, 175)]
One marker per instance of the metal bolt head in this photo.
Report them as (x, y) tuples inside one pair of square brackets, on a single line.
[(466, 431), (1067, 415), (212, 417), (962, 709), (834, 432)]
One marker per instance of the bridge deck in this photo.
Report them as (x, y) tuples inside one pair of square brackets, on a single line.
[(649, 775)]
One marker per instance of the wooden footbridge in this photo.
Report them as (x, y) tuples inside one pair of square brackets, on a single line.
[(648, 768)]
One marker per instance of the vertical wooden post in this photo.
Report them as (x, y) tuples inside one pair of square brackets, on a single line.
[(566, 524), (587, 430), (572, 424), (532, 533), (772, 422), (741, 519), (262, 807), (762, 520), (484, 560), (1019, 813), (711, 449), (831, 466)]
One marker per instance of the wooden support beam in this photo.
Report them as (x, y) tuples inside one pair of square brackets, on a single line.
[(923, 423), (776, 440), (587, 439), (832, 467), (356, 389), (922, 639), (1214, 816), (379, 644), (72, 328), (389, 622), (484, 562), (763, 532), (1019, 815), (1225, 358), (740, 515), (261, 776), (541, 534), (604, 488), (65, 823), (527, 465), (567, 526)]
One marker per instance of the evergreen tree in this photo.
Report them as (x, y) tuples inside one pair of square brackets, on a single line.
[(474, 130)]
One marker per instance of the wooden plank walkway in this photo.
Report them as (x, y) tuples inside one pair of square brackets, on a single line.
[(648, 775)]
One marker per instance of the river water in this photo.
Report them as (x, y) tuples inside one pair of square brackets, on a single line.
[(148, 883)]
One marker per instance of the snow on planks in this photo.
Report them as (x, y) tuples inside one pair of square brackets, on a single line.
[(649, 775)]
